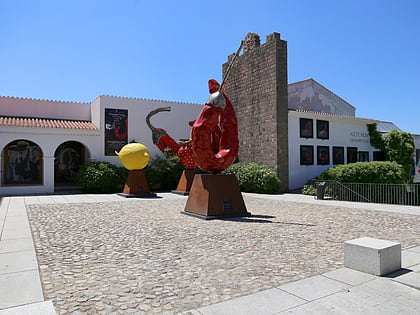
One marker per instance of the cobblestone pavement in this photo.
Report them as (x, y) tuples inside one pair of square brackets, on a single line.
[(143, 256)]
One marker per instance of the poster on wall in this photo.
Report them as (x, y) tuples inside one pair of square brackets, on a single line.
[(23, 163), (306, 155), (306, 127), (323, 155), (338, 155), (351, 155), (322, 129), (116, 130)]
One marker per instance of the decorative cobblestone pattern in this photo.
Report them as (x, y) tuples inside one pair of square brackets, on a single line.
[(257, 87), (144, 257)]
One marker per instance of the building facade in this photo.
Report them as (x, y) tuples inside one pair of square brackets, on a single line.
[(299, 130), (43, 142)]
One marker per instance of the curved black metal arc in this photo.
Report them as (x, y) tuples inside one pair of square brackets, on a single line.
[(154, 112)]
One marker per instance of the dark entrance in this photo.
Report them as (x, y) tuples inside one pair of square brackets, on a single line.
[(68, 158)]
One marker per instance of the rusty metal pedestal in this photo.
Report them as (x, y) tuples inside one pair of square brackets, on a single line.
[(185, 183), (136, 186), (215, 197)]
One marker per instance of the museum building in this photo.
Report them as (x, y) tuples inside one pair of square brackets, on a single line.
[(299, 129)]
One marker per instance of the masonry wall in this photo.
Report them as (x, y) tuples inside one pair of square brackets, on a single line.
[(257, 88)]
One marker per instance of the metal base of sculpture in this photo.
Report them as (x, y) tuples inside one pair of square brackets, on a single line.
[(136, 186), (215, 197), (185, 183)]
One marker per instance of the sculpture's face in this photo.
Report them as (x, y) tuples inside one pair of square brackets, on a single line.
[(216, 99)]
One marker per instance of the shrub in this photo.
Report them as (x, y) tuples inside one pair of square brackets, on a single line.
[(101, 177), (366, 172), (309, 188), (398, 147), (255, 178), (163, 173)]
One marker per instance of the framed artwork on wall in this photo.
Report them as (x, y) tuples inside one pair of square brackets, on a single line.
[(351, 155), (322, 129), (306, 127), (116, 130), (306, 155), (323, 155), (338, 155)]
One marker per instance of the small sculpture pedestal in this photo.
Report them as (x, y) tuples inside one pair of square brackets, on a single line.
[(185, 183), (215, 197), (136, 185)]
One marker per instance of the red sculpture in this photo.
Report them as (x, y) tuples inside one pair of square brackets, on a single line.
[(165, 142), (186, 156), (215, 132)]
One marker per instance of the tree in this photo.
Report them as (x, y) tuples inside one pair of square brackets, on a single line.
[(398, 147)]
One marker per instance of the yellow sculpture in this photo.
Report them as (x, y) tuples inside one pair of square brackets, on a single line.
[(134, 156)]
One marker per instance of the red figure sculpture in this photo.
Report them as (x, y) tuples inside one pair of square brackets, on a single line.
[(215, 132)]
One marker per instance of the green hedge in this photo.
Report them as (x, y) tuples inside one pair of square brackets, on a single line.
[(255, 178), (101, 177), (366, 172), (360, 172), (163, 173)]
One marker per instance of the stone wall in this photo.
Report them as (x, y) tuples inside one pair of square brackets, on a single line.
[(257, 88)]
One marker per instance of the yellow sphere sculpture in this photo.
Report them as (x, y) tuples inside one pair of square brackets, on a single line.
[(134, 156)]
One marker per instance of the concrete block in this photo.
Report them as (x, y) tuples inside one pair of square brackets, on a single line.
[(373, 256)]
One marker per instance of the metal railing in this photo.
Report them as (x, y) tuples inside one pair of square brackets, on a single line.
[(401, 194)]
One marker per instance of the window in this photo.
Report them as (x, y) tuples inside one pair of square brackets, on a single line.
[(338, 155), (22, 163), (306, 155), (363, 156), (351, 154), (306, 128), (322, 129), (323, 155)]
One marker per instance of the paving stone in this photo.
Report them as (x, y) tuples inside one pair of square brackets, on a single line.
[(147, 254), (349, 276), (314, 287)]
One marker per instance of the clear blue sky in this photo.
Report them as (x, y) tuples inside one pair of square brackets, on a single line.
[(365, 51)]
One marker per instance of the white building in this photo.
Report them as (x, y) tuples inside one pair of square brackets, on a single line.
[(324, 132), (43, 142)]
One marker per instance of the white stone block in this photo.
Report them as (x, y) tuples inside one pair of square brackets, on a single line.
[(374, 256)]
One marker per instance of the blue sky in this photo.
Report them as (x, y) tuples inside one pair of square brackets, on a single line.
[(365, 51)]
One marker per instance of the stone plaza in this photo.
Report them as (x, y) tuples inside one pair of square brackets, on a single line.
[(104, 254)]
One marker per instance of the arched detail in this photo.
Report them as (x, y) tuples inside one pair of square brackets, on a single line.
[(69, 156), (22, 163)]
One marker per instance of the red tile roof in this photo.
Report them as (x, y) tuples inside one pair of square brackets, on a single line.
[(329, 114), (29, 122)]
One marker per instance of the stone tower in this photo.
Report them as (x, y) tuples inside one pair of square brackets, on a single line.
[(257, 88)]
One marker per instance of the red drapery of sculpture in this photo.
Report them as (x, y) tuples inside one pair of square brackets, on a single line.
[(215, 135)]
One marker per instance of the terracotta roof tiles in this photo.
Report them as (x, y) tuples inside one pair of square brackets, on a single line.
[(28, 122)]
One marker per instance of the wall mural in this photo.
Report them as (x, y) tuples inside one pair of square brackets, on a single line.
[(338, 155), (322, 129), (23, 163), (323, 155), (116, 130), (306, 127), (306, 155)]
